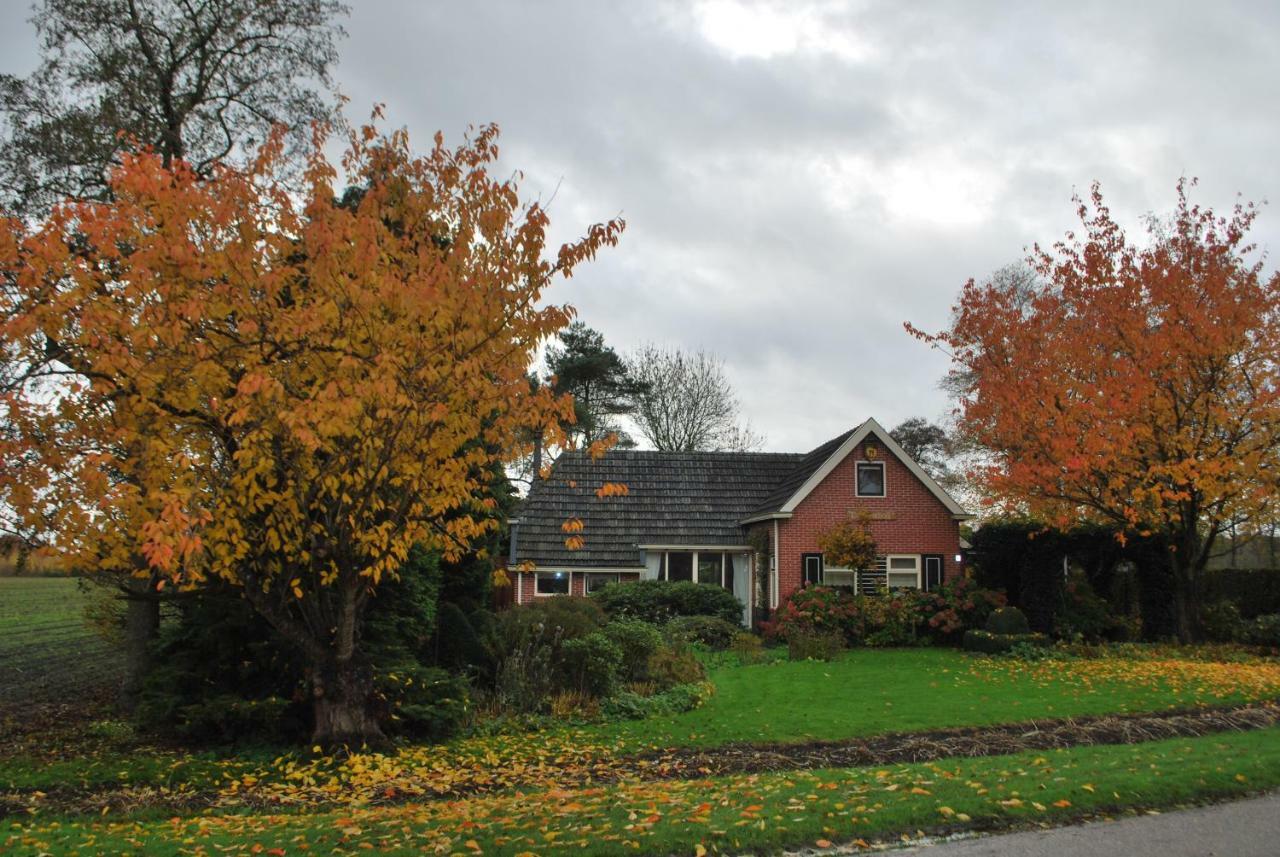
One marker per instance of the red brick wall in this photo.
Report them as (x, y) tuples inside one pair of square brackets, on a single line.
[(920, 523)]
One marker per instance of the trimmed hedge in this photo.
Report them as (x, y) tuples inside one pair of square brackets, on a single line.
[(1008, 621), (1255, 591), (997, 644), (660, 601)]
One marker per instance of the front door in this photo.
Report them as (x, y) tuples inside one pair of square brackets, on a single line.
[(932, 573)]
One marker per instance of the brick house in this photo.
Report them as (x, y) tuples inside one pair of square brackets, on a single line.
[(708, 516)]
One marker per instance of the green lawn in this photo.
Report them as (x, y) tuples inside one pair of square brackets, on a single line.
[(870, 691), (48, 653), (725, 815), (863, 693)]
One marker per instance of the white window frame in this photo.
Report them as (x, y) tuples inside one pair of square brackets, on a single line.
[(890, 570), (726, 561), (539, 574), (884, 479)]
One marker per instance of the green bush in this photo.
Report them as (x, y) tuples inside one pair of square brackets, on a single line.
[(805, 645), (559, 618), (673, 665), (632, 706), (1222, 623), (590, 665), (1264, 631), (423, 703), (958, 605), (991, 643), (1083, 614), (638, 640), (894, 618), (1006, 621), (714, 633), (660, 601), (228, 719)]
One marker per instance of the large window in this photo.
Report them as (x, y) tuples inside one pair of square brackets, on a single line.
[(600, 581), (870, 479), (903, 572), (551, 583), (714, 568), (679, 565)]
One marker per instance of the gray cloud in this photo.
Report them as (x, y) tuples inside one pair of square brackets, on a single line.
[(800, 179)]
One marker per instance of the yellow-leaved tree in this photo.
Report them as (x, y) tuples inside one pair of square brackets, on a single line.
[(283, 389)]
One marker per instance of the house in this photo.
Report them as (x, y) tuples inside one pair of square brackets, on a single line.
[(747, 521)]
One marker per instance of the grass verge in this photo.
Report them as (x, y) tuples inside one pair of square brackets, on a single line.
[(722, 815)]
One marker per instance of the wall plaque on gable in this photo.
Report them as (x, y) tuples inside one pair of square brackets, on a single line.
[(873, 516)]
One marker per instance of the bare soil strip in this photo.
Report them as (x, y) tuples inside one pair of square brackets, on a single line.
[(689, 764)]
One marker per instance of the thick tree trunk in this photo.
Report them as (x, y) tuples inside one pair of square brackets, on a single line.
[(142, 624), (344, 706), (1187, 566)]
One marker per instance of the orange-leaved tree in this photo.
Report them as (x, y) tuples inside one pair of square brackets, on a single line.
[(1133, 383), (282, 389)]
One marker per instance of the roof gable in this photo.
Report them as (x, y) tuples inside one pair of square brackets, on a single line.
[(847, 444)]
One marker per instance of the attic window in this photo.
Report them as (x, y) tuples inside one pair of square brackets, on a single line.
[(870, 479)]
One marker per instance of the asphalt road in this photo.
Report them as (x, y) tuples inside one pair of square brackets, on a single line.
[(1247, 828)]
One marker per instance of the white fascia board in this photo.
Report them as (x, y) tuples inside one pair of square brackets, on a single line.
[(768, 516), (849, 445), (729, 548)]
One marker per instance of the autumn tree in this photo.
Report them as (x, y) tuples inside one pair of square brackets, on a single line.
[(849, 544), (202, 82), (687, 403), (226, 379), (196, 81), (1131, 384)]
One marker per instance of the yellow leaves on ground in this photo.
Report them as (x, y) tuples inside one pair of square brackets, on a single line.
[(1206, 681)]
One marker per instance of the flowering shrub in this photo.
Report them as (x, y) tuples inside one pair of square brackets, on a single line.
[(902, 617), (959, 605)]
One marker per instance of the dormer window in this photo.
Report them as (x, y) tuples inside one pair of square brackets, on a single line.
[(870, 479)]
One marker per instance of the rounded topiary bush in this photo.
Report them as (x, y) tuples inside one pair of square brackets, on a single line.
[(711, 631), (1008, 620), (660, 601)]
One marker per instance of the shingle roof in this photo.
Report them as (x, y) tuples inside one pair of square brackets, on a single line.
[(694, 498), (804, 468)]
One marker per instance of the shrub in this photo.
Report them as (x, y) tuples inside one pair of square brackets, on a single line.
[(633, 706), (227, 719), (1264, 631), (660, 601), (1222, 623), (994, 644), (673, 665), (805, 645), (1006, 621), (562, 618), (816, 609), (1083, 614), (714, 633), (637, 640), (961, 604), (590, 665), (748, 648), (893, 618), (424, 703), (574, 705)]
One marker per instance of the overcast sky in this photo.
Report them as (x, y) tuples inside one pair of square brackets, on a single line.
[(799, 179)]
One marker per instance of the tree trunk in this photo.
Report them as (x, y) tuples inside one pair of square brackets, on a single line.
[(1186, 593), (342, 691), (142, 624)]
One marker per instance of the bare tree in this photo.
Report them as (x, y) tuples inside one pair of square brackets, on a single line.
[(193, 79), (689, 404)]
